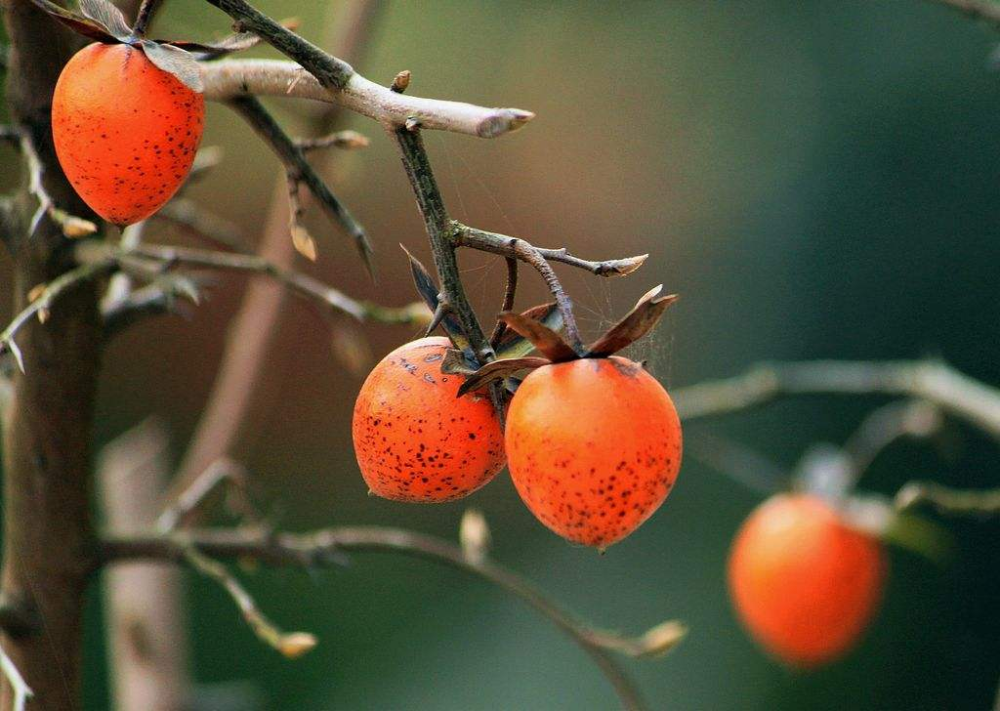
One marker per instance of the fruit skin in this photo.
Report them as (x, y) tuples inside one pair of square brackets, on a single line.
[(804, 583), (414, 438), (593, 446), (125, 131)]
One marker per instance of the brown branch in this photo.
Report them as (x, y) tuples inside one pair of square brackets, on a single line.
[(71, 225), (261, 311), (47, 431), (41, 306), (515, 247), (984, 10), (344, 140), (299, 170), (327, 547), (935, 382), (229, 78), (441, 232), (509, 294), (222, 472), (290, 644), (298, 282)]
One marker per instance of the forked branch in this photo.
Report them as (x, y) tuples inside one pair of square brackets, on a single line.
[(328, 546)]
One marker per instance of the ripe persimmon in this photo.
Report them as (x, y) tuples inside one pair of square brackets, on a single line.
[(125, 131), (593, 446), (415, 439), (803, 581)]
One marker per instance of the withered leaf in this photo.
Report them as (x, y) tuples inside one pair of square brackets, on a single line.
[(498, 370), (78, 23), (207, 51), (543, 338), (636, 324), (514, 345), (176, 61), (108, 15), (428, 291)]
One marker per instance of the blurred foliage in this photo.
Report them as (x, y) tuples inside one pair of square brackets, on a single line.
[(818, 180)]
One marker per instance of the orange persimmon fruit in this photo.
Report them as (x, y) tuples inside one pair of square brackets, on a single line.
[(125, 131), (804, 582), (593, 447), (415, 439)]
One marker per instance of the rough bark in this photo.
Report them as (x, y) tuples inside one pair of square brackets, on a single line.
[(47, 533)]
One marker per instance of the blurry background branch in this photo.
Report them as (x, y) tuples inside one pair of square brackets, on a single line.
[(955, 393), (328, 547), (984, 10)]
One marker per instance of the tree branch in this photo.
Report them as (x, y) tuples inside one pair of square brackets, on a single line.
[(229, 78), (299, 170), (509, 294), (442, 234), (41, 306), (298, 282), (328, 546), (518, 248), (948, 501), (291, 644), (935, 382), (71, 225)]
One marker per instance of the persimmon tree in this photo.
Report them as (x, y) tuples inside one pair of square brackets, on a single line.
[(79, 281)]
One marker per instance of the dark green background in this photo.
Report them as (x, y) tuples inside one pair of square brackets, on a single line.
[(817, 179)]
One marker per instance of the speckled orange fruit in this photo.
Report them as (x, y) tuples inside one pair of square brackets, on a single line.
[(804, 583), (593, 446), (414, 438), (126, 131)]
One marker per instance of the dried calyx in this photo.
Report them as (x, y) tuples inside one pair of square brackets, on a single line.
[(101, 21), (537, 329)]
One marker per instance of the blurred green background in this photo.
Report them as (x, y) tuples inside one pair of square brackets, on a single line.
[(817, 179)]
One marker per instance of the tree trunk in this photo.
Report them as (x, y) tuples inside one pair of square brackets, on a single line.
[(47, 533)]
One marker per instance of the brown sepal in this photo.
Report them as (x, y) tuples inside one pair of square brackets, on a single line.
[(499, 370), (636, 324), (545, 340)]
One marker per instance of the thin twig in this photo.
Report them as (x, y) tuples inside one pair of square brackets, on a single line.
[(300, 171), (977, 9), (507, 246), (303, 284), (203, 223), (886, 425), (327, 546), (156, 299), (344, 140), (22, 692), (42, 304), (290, 644), (935, 382), (509, 294), (222, 472), (948, 501), (71, 225)]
